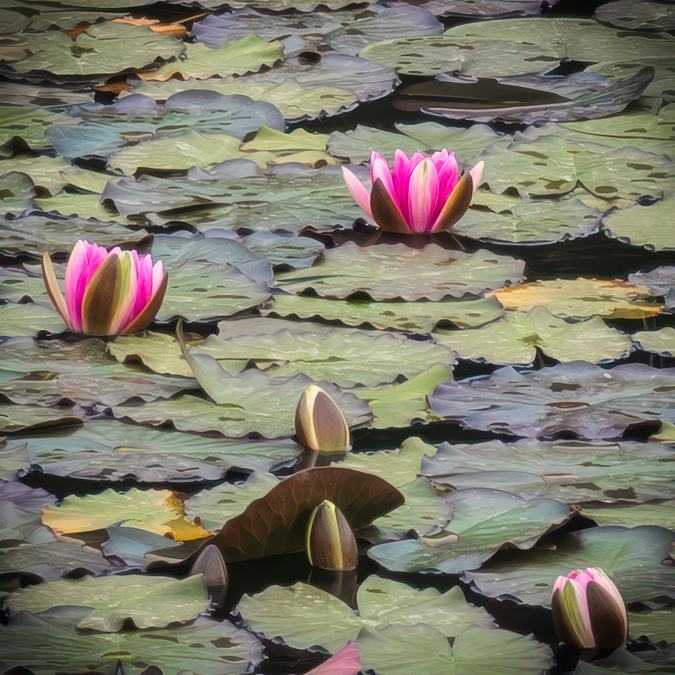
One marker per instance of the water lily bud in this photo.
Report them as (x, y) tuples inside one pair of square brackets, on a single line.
[(106, 292), (588, 611), (319, 422), (331, 544)]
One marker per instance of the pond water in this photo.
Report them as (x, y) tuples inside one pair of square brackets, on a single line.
[(508, 379)]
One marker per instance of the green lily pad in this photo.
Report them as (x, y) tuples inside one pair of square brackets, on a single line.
[(12, 22), (28, 319), (395, 649), (281, 250), (284, 199), (284, 612), (251, 403), (655, 661), (298, 5), (211, 646), (20, 508), (662, 86), (660, 341), (636, 16), (300, 88), (335, 356), (149, 602), (50, 560), (482, 522), (581, 298), (16, 192), (111, 451), (238, 57), (396, 271), (77, 205), (515, 338), (211, 508), (571, 398), (25, 125), (412, 317), (572, 471), (646, 226), (630, 556), (656, 625), (102, 49), (531, 222), (15, 418), (631, 515), (399, 405), (33, 235)]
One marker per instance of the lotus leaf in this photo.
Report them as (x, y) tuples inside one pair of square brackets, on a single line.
[(238, 57), (28, 319), (102, 49), (283, 612), (482, 522), (630, 556), (396, 271), (86, 206), (25, 125), (659, 341), (581, 298), (250, 403), (149, 602), (395, 649), (16, 192), (137, 548), (656, 661), (656, 625), (157, 511), (515, 338), (297, 146), (648, 226), (15, 418), (662, 86), (636, 16), (111, 451), (572, 471), (207, 645), (283, 250), (572, 398), (51, 560), (413, 317), (659, 513)]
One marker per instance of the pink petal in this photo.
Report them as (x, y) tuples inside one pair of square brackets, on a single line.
[(158, 274), (125, 311), (448, 175), (582, 603), (347, 661), (477, 175), (83, 262), (144, 283), (402, 170), (357, 190), (422, 195)]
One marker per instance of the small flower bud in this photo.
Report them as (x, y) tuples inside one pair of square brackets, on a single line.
[(319, 422), (330, 542), (588, 611)]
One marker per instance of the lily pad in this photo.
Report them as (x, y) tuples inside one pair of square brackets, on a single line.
[(515, 338), (658, 341), (28, 319), (656, 625), (20, 508), (482, 522), (572, 471), (238, 57), (285, 199), (51, 560), (25, 125), (572, 398), (15, 418), (249, 403), (636, 16), (282, 612), (336, 356), (395, 649), (631, 515), (412, 317), (102, 49), (16, 192), (345, 31), (646, 226), (149, 602), (630, 556), (111, 451), (581, 298), (396, 271), (297, 5), (215, 645), (157, 511)]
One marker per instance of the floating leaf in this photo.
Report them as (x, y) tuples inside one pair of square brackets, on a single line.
[(217, 646), (482, 522), (656, 625), (16, 192), (149, 602), (630, 556), (658, 341), (156, 511), (25, 125), (414, 317), (661, 514), (636, 16), (306, 617), (277, 522), (15, 418), (28, 319), (396, 271), (572, 471), (646, 226), (572, 398), (515, 338), (581, 298)]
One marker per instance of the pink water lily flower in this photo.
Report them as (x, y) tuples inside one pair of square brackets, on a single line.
[(106, 292), (588, 611), (422, 194)]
